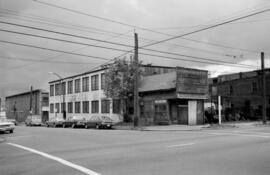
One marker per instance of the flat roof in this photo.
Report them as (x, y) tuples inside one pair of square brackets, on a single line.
[(100, 69)]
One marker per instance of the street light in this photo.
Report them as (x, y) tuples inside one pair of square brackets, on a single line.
[(62, 92)]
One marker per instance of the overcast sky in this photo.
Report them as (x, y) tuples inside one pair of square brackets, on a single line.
[(21, 66)]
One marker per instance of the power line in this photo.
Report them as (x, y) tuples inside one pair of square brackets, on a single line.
[(53, 50), (62, 40), (110, 48), (206, 28), (42, 61), (186, 47), (63, 33), (67, 34), (150, 30), (83, 37)]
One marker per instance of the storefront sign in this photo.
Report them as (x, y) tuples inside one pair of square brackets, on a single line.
[(160, 101), (191, 81)]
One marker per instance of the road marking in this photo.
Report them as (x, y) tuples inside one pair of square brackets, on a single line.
[(180, 145), (62, 161)]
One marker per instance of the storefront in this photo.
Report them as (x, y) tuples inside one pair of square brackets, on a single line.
[(174, 98)]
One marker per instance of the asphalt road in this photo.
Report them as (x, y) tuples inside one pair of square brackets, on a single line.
[(55, 151)]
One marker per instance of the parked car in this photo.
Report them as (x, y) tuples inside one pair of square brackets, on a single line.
[(13, 121), (33, 120), (74, 122), (55, 122), (6, 125), (99, 122)]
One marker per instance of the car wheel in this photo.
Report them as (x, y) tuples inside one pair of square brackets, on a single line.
[(11, 131), (97, 126)]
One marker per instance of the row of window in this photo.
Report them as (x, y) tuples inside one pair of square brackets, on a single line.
[(254, 88), (80, 84), (84, 106)]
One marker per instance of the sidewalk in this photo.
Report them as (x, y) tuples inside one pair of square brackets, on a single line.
[(226, 125)]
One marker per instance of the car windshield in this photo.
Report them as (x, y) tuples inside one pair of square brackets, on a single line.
[(78, 118), (106, 119), (36, 119)]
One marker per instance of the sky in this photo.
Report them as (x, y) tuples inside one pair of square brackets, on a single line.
[(239, 42)]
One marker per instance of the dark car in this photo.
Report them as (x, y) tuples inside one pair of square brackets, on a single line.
[(74, 122), (99, 122), (33, 120), (55, 122)]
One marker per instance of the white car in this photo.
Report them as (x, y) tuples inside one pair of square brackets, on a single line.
[(5, 125)]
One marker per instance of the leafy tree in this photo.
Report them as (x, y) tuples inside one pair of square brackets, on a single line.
[(119, 82)]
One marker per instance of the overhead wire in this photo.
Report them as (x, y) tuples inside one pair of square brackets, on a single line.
[(147, 29), (171, 44)]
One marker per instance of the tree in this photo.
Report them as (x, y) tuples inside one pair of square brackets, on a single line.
[(119, 82)]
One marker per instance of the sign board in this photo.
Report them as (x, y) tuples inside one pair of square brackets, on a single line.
[(191, 81), (160, 101)]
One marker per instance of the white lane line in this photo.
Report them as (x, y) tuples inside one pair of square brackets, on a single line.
[(62, 161), (180, 145)]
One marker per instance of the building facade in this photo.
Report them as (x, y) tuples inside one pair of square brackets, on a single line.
[(174, 98), (241, 94), (83, 94), (19, 106)]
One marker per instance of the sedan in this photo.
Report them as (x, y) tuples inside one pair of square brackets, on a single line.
[(6, 126), (55, 122), (99, 122), (74, 122)]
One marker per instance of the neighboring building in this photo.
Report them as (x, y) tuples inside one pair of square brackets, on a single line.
[(168, 95), (241, 93), (83, 94), (18, 105), (174, 98)]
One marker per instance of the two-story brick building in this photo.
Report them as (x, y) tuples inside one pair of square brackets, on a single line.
[(241, 93)]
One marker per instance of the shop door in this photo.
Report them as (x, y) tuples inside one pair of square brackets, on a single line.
[(182, 114)]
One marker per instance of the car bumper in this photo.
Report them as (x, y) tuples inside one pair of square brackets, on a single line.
[(7, 128)]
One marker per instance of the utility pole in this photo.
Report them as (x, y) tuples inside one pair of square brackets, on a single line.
[(263, 89), (31, 100), (136, 94)]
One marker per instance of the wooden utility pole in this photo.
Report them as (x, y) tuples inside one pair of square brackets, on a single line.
[(263, 90), (136, 119), (31, 100)]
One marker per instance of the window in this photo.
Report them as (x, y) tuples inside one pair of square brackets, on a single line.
[(94, 106), (85, 84), (77, 85), (116, 106), (51, 108), (63, 88), (77, 107), (57, 89), (52, 90), (70, 107), (63, 107), (85, 106), (57, 107), (94, 82), (103, 81), (70, 87), (105, 106), (45, 101), (231, 90), (254, 87)]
